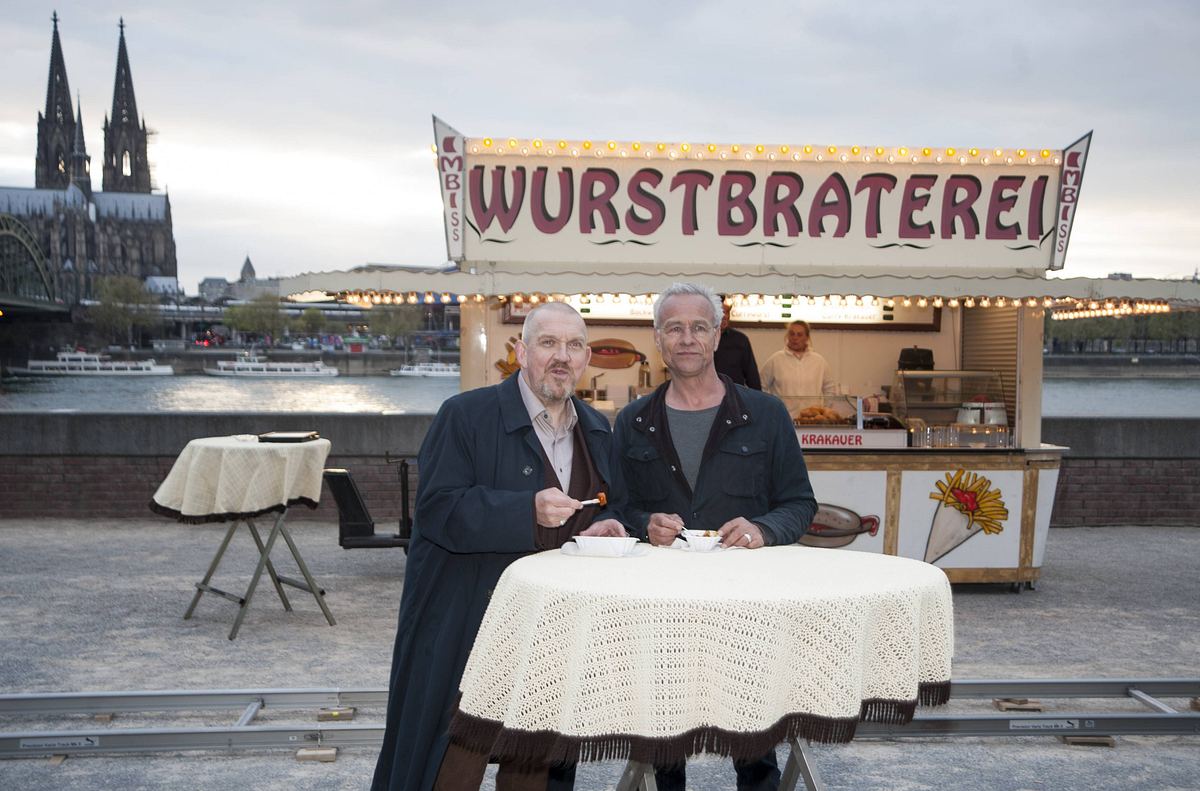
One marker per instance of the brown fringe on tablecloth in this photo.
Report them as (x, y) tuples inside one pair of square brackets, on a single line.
[(205, 518), (547, 747)]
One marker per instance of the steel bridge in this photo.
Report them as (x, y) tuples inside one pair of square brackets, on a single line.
[(28, 289)]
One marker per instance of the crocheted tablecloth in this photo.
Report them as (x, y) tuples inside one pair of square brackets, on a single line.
[(674, 653), (220, 478)]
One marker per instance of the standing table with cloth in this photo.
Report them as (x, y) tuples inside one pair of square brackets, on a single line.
[(238, 478), (671, 653)]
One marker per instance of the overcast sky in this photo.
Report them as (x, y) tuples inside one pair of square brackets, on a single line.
[(298, 133)]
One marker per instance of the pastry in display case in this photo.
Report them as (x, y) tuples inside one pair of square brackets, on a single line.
[(842, 421), (822, 410)]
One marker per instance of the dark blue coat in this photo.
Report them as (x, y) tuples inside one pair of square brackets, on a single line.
[(480, 466), (752, 467)]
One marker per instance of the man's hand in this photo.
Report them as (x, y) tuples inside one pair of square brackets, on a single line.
[(741, 532), (605, 527), (553, 508), (664, 529)]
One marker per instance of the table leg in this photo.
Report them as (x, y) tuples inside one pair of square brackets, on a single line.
[(317, 593), (258, 570), (212, 569), (637, 777), (799, 765), (270, 566)]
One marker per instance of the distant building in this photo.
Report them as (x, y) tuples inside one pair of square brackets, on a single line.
[(249, 286), (214, 289), (167, 286), (246, 288), (84, 235)]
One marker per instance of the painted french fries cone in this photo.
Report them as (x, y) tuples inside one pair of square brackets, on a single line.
[(950, 528), (967, 504)]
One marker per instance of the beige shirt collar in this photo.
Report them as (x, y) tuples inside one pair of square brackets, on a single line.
[(538, 414)]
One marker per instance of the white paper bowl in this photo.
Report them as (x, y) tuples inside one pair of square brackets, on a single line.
[(700, 542), (606, 546)]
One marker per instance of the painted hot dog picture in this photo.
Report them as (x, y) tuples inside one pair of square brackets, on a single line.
[(614, 353), (834, 527)]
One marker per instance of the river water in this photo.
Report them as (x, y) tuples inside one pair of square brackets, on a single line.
[(200, 393), (400, 395)]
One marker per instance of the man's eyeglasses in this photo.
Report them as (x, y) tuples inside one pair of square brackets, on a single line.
[(696, 328)]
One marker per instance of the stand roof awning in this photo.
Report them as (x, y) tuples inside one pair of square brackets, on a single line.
[(496, 281)]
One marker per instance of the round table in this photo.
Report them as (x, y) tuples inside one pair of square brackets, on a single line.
[(238, 478), (673, 653), (216, 479)]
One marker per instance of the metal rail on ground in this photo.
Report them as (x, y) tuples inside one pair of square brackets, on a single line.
[(1159, 719)]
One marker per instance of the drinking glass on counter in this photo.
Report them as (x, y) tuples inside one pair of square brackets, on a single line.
[(919, 433)]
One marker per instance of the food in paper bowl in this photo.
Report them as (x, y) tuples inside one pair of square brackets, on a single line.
[(702, 540), (606, 546)]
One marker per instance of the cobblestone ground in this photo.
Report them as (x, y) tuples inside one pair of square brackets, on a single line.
[(97, 605)]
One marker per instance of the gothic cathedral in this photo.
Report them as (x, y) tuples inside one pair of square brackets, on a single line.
[(125, 229)]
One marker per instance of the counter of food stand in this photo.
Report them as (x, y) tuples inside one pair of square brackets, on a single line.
[(982, 516)]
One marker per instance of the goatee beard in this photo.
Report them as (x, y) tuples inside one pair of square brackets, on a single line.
[(549, 395)]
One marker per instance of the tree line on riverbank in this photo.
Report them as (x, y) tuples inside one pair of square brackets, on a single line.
[(126, 314), (1159, 333)]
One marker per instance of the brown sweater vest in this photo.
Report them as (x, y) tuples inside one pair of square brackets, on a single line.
[(585, 484)]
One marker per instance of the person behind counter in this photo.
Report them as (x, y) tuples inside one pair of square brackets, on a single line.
[(733, 355), (503, 471), (703, 452), (797, 370)]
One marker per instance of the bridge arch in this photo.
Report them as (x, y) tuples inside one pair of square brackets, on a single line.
[(24, 272)]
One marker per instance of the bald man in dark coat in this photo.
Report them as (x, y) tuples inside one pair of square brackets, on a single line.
[(487, 496)]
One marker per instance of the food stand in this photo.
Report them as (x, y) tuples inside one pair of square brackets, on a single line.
[(880, 249)]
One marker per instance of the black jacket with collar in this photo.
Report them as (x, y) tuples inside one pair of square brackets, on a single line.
[(751, 467), (481, 466)]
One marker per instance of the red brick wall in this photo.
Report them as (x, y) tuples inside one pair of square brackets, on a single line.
[(1096, 492), (121, 486), (1090, 492)]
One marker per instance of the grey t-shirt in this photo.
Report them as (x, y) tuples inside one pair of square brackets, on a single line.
[(689, 434)]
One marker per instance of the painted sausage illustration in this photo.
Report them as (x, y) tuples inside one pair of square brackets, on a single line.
[(614, 353), (834, 527)]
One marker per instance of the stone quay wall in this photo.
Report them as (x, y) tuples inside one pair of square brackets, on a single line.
[(110, 464), (1117, 471)]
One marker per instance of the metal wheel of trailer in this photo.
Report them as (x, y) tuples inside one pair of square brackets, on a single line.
[(1021, 714)]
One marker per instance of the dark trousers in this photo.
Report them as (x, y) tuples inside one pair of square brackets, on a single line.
[(462, 770), (759, 775)]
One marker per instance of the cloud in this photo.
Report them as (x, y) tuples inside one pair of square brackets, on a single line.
[(300, 130)]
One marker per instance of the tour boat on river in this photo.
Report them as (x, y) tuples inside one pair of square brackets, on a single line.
[(427, 369), (86, 364), (253, 365)]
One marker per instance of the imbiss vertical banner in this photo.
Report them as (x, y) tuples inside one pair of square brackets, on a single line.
[(452, 166), (1074, 158), (558, 202)]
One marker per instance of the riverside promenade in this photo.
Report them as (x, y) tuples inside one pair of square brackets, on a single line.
[(97, 605)]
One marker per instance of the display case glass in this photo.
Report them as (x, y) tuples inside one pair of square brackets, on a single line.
[(952, 408)]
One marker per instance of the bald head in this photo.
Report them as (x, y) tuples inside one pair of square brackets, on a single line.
[(536, 316)]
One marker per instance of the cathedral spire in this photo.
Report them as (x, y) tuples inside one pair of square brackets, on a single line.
[(81, 163), (56, 127), (124, 106), (126, 167)]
